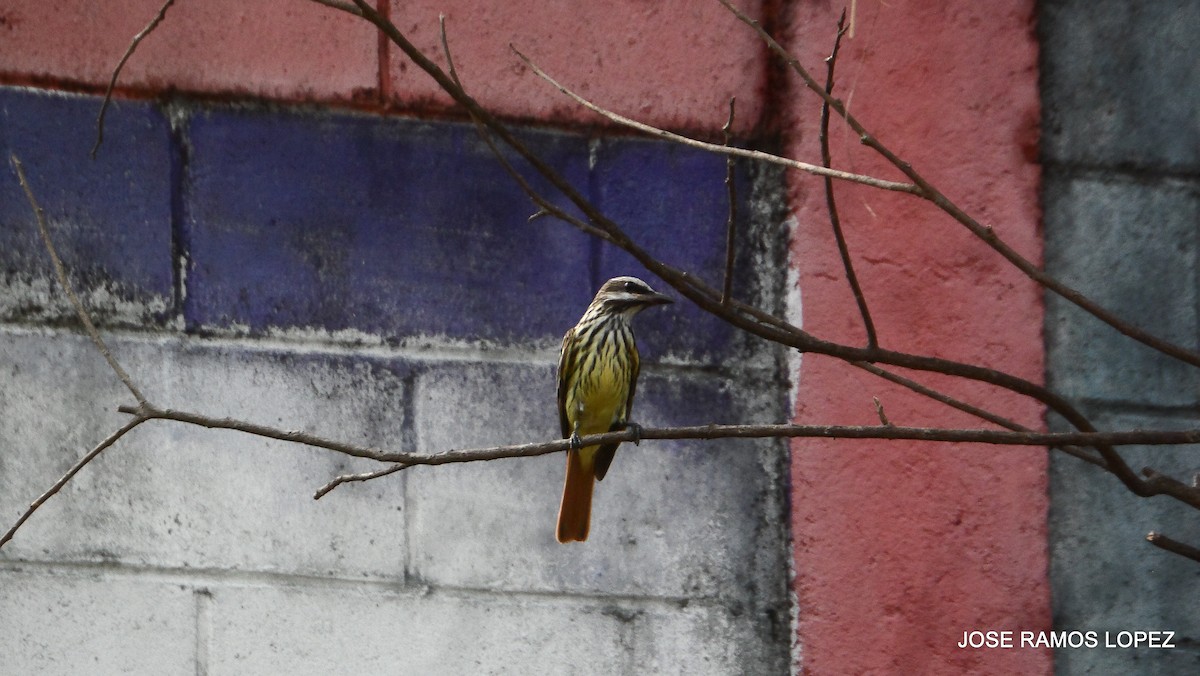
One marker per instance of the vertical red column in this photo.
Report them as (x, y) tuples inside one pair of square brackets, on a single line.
[(901, 547)]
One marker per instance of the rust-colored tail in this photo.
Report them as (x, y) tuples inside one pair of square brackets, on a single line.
[(575, 511)]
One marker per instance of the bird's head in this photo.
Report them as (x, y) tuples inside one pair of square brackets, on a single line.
[(625, 296)]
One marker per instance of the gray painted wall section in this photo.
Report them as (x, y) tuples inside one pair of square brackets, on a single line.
[(1121, 146)]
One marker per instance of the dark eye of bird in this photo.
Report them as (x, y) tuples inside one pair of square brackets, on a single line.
[(632, 287)]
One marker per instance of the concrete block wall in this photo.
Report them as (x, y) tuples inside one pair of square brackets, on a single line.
[(373, 280), (1121, 146)]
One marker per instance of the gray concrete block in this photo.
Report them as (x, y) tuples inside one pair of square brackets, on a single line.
[(178, 496), (340, 630), (1105, 576), (1132, 247), (1120, 83), (75, 622), (672, 519)]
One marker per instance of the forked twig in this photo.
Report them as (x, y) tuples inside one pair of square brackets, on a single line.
[(976, 411), (831, 202), (90, 328)]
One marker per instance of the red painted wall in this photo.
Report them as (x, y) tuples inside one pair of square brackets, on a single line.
[(662, 62), (900, 548), (671, 64), (277, 49)]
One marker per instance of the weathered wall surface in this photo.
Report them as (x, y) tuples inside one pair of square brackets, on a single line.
[(288, 223), (1122, 198), (373, 278)]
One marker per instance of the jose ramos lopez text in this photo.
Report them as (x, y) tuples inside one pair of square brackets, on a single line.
[(1067, 639)]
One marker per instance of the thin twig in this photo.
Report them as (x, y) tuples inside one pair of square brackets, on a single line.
[(940, 396), (446, 50), (91, 455), (883, 419), (61, 273), (971, 409), (715, 147), (923, 188), (731, 220), (363, 476), (112, 83), (1174, 546), (831, 202)]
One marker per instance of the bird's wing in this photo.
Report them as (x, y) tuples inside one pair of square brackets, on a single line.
[(566, 367)]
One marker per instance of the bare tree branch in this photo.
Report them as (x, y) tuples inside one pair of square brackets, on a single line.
[(751, 319), (831, 202), (61, 273), (731, 220), (714, 147), (1158, 483), (926, 190), (883, 419), (713, 431), (721, 304)]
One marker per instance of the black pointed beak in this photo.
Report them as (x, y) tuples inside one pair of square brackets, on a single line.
[(657, 299)]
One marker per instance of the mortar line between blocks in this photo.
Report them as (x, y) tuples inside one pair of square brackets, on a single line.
[(203, 628), (205, 580), (518, 355), (409, 440)]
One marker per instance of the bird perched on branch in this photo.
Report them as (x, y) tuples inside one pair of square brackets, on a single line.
[(597, 375)]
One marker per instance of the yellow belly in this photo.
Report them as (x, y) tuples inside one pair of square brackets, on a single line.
[(599, 397)]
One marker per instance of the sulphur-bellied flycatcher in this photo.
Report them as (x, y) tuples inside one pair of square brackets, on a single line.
[(597, 375)]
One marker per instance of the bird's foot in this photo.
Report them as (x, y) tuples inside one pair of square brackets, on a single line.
[(576, 442), (637, 432)]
